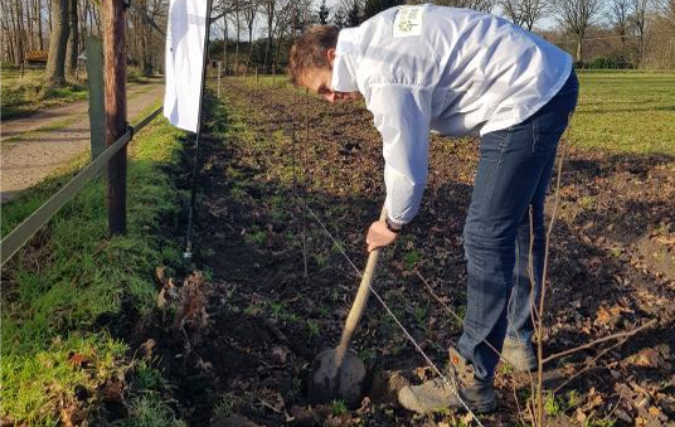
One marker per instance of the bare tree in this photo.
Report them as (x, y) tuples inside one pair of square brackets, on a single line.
[(349, 12), (639, 21), (269, 8), (7, 42), (29, 26), (73, 41), (524, 12), (619, 12), (668, 6), (323, 13), (237, 25), (223, 9), (16, 13), (37, 15), (58, 42), (480, 5), (250, 13), (576, 16)]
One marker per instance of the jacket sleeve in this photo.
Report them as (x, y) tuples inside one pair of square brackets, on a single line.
[(402, 114)]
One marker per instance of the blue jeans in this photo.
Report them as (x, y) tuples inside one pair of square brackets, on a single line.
[(513, 176)]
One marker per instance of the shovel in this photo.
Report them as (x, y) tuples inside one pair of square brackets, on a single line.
[(338, 374)]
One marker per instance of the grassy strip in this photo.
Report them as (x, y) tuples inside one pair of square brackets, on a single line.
[(21, 207), (55, 291), (22, 97), (34, 134)]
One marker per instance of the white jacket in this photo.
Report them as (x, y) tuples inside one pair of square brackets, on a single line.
[(453, 71)]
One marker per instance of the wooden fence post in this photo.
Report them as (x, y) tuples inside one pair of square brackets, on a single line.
[(114, 42), (97, 116)]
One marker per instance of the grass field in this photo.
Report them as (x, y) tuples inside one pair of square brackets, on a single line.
[(626, 112)]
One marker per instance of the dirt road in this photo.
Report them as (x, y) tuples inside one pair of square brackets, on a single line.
[(35, 146)]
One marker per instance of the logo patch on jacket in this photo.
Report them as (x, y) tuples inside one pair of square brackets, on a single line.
[(408, 21)]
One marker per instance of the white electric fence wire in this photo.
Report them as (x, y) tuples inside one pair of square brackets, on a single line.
[(393, 316)]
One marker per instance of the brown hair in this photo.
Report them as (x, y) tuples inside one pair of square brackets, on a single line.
[(309, 51)]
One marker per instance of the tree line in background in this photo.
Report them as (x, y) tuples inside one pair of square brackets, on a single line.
[(257, 33), (62, 27)]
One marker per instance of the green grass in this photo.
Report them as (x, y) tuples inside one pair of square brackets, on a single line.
[(25, 96), (626, 112), (74, 273)]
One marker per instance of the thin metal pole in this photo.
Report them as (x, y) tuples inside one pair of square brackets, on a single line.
[(193, 191)]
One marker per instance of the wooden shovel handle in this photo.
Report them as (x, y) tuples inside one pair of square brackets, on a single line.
[(360, 302)]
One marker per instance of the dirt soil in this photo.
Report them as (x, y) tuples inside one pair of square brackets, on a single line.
[(241, 346)]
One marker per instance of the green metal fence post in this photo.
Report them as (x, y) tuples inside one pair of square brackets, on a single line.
[(96, 96)]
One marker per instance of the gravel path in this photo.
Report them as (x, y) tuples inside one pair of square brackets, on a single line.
[(35, 152)]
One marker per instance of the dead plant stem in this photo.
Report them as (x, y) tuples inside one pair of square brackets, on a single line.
[(619, 335), (542, 296)]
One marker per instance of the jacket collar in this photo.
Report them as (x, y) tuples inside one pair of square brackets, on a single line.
[(345, 64)]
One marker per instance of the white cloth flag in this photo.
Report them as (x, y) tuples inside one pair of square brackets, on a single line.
[(185, 62)]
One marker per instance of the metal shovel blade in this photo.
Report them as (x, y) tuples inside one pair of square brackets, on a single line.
[(338, 374), (327, 382)]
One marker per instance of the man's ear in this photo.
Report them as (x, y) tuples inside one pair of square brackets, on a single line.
[(330, 55)]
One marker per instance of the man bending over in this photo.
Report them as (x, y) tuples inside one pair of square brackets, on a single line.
[(458, 72)]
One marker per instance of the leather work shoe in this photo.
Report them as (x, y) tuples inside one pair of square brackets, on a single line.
[(520, 355), (438, 395)]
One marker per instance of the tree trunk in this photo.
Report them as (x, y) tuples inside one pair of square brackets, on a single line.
[(250, 46), (225, 55), (16, 33), (38, 17), (236, 49), (83, 24), (49, 15), (145, 51), (58, 43), (8, 46), (22, 31), (278, 52), (30, 30), (580, 49), (97, 20), (73, 41), (270, 29)]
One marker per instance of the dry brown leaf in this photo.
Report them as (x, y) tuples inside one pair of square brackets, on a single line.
[(603, 316), (71, 416), (112, 392), (79, 360), (280, 354)]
